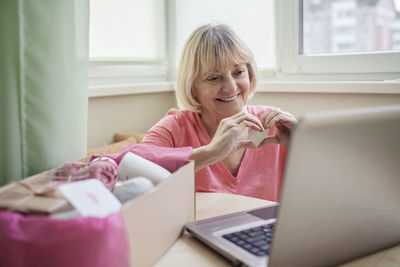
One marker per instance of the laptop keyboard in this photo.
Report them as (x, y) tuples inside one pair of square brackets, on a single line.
[(256, 240)]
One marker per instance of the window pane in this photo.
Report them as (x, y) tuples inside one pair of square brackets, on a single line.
[(350, 26), (127, 29), (251, 20)]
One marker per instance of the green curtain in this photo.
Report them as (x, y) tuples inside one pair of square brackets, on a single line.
[(43, 85)]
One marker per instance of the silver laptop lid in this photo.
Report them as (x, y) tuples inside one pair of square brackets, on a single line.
[(341, 192)]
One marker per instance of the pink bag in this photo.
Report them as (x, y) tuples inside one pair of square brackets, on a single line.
[(30, 241)]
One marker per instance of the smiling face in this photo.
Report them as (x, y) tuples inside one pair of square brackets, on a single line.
[(222, 92)]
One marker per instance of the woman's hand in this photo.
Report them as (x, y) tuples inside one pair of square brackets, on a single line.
[(230, 136), (284, 122), (232, 133)]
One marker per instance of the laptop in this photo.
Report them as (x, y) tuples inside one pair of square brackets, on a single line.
[(340, 196)]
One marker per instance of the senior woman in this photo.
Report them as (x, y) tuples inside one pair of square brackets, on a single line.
[(215, 79)]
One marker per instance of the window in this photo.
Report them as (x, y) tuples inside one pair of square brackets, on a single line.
[(127, 40), (252, 21), (353, 37), (126, 30), (349, 24), (133, 41)]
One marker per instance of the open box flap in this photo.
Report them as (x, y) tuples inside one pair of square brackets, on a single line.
[(155, 220)]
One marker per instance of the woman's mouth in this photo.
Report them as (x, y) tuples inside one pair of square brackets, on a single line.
[(229, 99)]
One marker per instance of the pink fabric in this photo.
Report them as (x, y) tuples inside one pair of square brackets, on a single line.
[(169, 158), (30, 241), (260, 172), (104, 170)]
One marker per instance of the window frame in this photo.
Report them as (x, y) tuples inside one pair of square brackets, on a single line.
[(358, 66), (122, 71)]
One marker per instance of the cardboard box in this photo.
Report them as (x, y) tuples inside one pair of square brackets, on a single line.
[(154, 220)]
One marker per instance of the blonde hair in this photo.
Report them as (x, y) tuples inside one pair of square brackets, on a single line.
[(207, 48)]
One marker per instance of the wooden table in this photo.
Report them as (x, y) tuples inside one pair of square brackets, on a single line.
[(187, 251)]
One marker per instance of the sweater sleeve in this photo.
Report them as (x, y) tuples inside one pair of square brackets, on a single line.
[(163, 132)]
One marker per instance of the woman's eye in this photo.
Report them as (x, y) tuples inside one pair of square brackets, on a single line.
[(239, 72), (213, 78)]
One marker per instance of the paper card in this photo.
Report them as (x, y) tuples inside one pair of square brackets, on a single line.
[(91, 198), (256, 137)]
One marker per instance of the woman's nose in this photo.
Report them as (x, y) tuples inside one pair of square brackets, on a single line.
[(229, 84)]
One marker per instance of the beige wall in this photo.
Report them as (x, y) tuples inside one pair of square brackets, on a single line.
[(300, 103), (126, 113), (138, 112)]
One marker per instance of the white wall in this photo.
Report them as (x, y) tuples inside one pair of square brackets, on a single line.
[(138, 112)]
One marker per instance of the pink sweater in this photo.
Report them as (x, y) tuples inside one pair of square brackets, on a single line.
[(260, 172)]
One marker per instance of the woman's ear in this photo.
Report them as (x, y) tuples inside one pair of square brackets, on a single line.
[(194, 94)]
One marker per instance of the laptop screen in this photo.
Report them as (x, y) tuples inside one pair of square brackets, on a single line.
[(341, 190)]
